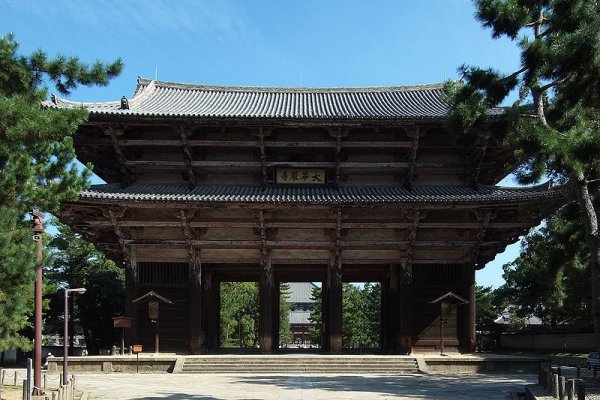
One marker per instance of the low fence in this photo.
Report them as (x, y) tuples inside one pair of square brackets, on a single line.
[(536, 341), (51, 383), (560, 387)]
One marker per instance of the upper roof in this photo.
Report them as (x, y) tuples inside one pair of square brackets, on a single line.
[(300, 292), (168, 99)]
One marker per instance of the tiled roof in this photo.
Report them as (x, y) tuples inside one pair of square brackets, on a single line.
[(300, 317), (167, 99), (315, 195), (300, 292)]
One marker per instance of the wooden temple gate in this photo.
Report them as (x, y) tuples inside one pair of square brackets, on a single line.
[(211, 184)]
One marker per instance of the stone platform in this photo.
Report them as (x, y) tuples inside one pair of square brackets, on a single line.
[(303, 363)]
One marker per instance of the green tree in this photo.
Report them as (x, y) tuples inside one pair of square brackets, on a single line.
[(239, 314), (553, 128), (361, 315), (74, 262), (550, 279), (316, 317), (372, 304), (285, 330), (16, 280), (36, 163)]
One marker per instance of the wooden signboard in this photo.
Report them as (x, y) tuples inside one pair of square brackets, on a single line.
[(300, 176)]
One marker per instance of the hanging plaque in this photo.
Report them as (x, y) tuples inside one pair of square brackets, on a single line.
[(300, 176), (153, 309)]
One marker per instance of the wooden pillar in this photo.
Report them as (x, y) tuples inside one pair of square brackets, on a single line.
[(325, 316), (276, 315), (195, 335), (389, 310), (131, 275), (334, 284), (266, 300), (210, 312), (467, 313), (404, 308)]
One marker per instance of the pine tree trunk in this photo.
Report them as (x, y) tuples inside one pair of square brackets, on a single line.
[(590, 223)]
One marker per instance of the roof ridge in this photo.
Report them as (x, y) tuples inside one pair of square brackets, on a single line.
[(143, 82)]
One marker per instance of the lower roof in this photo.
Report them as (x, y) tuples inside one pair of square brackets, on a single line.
[(316, 195)]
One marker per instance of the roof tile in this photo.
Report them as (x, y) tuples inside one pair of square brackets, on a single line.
[(157, 98), (343, 195)]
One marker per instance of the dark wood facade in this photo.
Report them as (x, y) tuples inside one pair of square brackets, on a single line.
[(193, 200)]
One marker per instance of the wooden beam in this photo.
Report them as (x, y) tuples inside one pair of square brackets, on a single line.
[(187, 156), (256, 143), (338, 156), (308, 225), (263, 156), (412, 158), (290, 164), (310, 244), (483, 217), (114, 215), (121, 158), (414, 216), (478, 158)]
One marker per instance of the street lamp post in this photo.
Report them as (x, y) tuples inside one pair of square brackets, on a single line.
[(66, 338), (38, 230)]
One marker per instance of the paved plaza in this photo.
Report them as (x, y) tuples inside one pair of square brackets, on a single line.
[(294, 387)]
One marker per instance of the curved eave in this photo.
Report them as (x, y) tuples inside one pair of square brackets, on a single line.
[(359, 196)]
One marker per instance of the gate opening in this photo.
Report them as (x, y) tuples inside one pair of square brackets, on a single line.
[(361, 316)]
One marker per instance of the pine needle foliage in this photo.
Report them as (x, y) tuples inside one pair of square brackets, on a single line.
[(37, 166), (553, 128)]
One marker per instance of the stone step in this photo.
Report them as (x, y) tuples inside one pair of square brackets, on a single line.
[(371, 365)]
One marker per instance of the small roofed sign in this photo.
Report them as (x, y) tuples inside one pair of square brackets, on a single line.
[(300, 176)]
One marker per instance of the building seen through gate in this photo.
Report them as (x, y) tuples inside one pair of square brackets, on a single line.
[(208, 184)]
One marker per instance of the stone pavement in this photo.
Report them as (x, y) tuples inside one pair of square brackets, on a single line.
[(116, 386)]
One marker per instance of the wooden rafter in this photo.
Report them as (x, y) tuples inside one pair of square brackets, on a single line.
[(187, 156)]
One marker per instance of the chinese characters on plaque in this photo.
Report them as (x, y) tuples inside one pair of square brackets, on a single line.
[(300, 176)]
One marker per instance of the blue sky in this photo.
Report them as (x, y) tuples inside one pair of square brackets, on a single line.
[(298, 43)]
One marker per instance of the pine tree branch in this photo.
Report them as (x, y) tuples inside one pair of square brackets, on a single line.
[(542, 89), (515, 74)]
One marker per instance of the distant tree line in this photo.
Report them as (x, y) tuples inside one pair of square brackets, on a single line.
[(550, 279), (361, 316)]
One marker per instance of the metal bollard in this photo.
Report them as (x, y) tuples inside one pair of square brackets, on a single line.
[(555, 385), (595, 371), (581, 390), (578, 371), (559, 371), (571, 389)]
